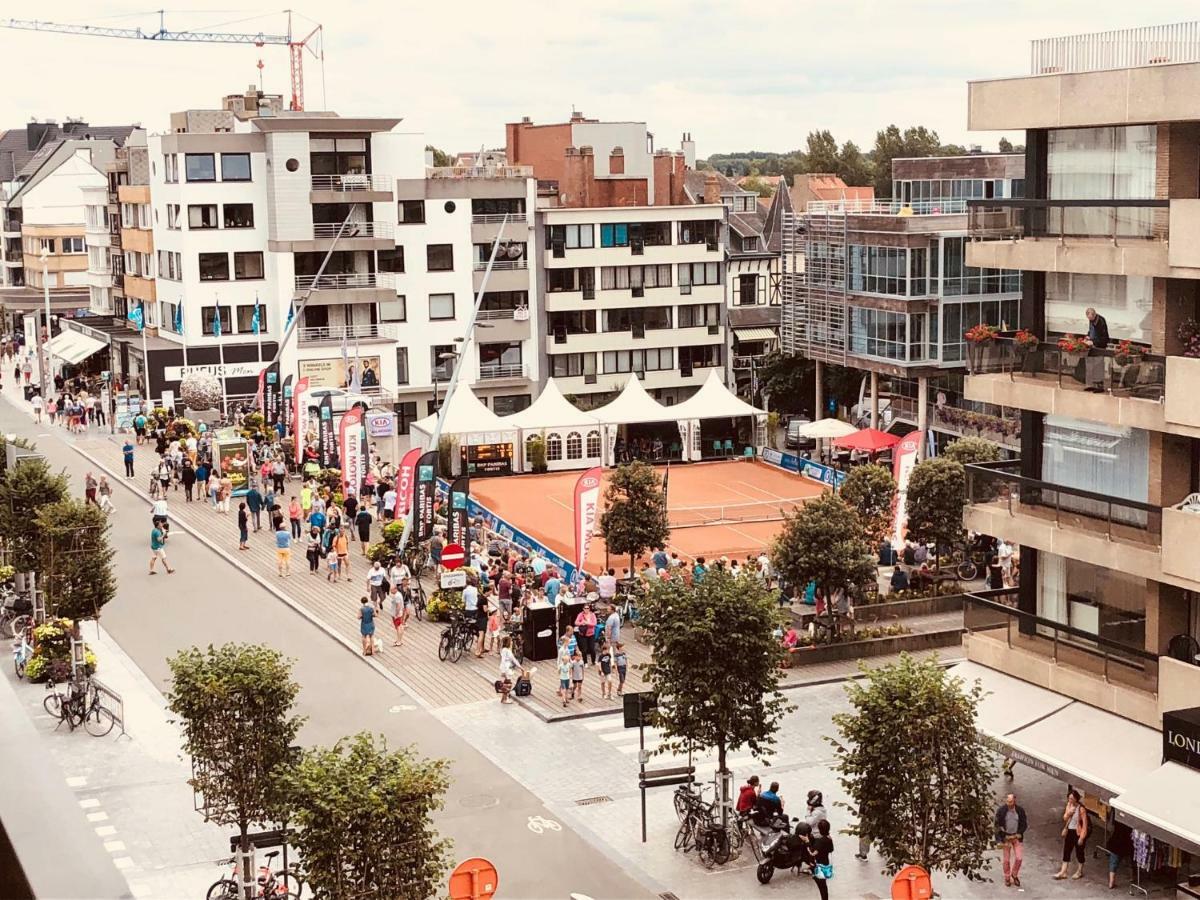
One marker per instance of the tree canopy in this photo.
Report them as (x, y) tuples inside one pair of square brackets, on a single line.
[(871, 492), (917, 773), (441, 158), (75, 559), (971, 451), (24, 491), (937, 491), (635, 511), (824, 541)]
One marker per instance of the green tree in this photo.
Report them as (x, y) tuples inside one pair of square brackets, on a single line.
[(758, 185), (937, 491), (75, 559), (871, 492), (853, 165), (635, 511), (711, 696), (1005, 145), (787, 381), (917, 773), (891, 143), (972, 451), (364, 820), (23, 492), (16, 442), (821, 153), (234, 704), (441, 158), (824, 541)]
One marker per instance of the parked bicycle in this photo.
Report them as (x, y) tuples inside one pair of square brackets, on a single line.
[(22, 653), (456, 638), (80, 705), (270, 885), (416, 597), (701, 829), (15, 611)]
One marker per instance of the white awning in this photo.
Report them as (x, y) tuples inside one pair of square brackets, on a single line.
[(550, 410), (828, 428), (1165, 803), (1008, 703), (633, 406), (73, 346), (755, 334), (714, 401)]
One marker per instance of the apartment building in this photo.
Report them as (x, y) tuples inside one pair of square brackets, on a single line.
[(888, 292), (1093, 663)]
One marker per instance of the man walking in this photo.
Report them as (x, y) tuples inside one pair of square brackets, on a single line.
[(254, 501), (127, 452), (1010, 834), (283, 550), (1097, 337), (158, 549)]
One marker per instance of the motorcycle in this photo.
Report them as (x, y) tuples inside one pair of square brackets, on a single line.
[(777, 847)]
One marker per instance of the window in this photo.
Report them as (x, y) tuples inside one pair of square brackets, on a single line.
[(1099, 164), (700, 357), (706, 231), (393, 310), (1126, 302), (167, 315), (626, 277), (614, 235), (652, 234), (173, 210), (651, 360), (248, 265), (498, 206), (566, 365), (411, 212), (500, 359), (503, 302), (208, 313), (699, 315), (554, 446), (1113, 462), (238, 215), (510, 254), (401, 365), (650, 318), (73, 245), (392, 260), (143, 215), (441, 306), (559, 280), (245, 319), (507, 404), (128, 216), (439, 258), (235, 166), (214, 266), (699, 273), (200, 167), (337, 156), (574, 445), (884, 334), (170, 265), (573, 237), (170, 168), (750, 244), (47, 245), (747, 289), (958, 278), (571, 322), (1105, 602), (442, 357), (202, 216), (898, 271), (593, 444), (959, 318)]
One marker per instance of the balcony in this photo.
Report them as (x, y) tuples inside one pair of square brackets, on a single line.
[(502, 371), (335, 334), (361, 188), (502, 265), (323, 230), (10, 228), (456, 172), (349, 287), (515, 218)]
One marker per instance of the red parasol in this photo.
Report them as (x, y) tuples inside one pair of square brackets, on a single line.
[(871, 440)]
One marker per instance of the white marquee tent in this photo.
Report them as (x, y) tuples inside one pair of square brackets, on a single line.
[(468, 421), (572, 435)]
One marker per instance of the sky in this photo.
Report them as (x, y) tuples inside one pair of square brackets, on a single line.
[(738, 76)]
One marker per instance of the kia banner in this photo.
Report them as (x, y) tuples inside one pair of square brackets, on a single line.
[(587, 514), (425, 495), (300, 418), (326, 443), (352, 441), (404, 481), (456, 512), (904, 457)]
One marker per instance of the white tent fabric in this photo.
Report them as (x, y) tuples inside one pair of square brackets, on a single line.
[(466, 415), (828, 428), (713, 401), (550, 410), (633, 406)]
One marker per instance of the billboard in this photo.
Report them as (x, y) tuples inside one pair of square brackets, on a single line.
[(233, 462), (353, 440), (337, 372)]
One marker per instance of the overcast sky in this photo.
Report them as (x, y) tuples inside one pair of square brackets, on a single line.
[(739, 76)]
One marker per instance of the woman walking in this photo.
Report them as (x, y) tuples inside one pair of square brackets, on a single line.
[(243, 523), (509, 667), (104, 490), (366, 626), (585, 628), (313, 551), (821, 845), (294, 516), (1074, 833)]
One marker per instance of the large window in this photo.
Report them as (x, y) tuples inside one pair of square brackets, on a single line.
[(412, 212), (650, 360), (560, 280), (1114, 462), (507, 404), (170, 265), (214, 266), (707, 231), (613, 234), (649, 318), (401, 365), (1102, 164), (699, 273), (248, 266), (338, 156), (502, 302), (439, 257), (74, 245), (1105, 602), (245, 319), (571, 322), (700, 357), (238, 215), (899, 271), (235, 166), (959, 318), (572, 237), (887, 335), (441, 359), (394, 310), (200, 167), (698, 315), (499, 358), (209, 313), (958, 278), (622, 278), (564, 365), (1126, 303), (441, 306), (202, 216), (498, 206)]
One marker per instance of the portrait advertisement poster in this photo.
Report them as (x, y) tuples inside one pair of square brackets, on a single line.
[(285, 405), (336, 372), (353, 440), (456, 514), (326, 442), (425, 495), (904, 458), (300, 418), (233, 462), (587, 511)]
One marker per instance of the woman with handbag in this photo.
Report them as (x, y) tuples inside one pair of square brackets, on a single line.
[(1074, 833), (508, 669), (820, 847)]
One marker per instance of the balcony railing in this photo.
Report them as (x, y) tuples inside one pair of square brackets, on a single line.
[(1015, 219), (350, 183), (520, 313), (1151, 45), (1113, 660), (353, 230), (516, 218), (1140, 374), (329, 333), (941, 207), (479, 171), (345, 280), (748, 361), (502, 265), (501, 370), (1001, 483)]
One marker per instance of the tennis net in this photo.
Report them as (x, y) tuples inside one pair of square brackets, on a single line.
[(732, 513)]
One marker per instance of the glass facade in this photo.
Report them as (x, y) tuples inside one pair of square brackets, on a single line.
[(958, 278), (958, 317), (898, 271), (1102, 164), (916, 189), (1100, 458), (887, 335), (1105, 602), (1125, 301)]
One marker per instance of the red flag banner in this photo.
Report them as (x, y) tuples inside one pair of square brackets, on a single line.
[(587, 511), (404, 481), (904, 457), (300, 417), (351, 445)]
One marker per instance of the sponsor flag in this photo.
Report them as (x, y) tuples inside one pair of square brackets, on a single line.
[(425, 495), (217, 323), (138, 317), (285, 405), (353, 445), (587, 514), (271, 394), (259, 398), (666, 478), (300, 417), (456, 516), (291, 315), (405, 478), (327, 450), (904, 458), (256, 319), (179, 318)]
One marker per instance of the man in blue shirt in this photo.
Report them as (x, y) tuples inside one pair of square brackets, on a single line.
[(770, 804), (661, 560), (254, 502), (283, 550), (553, 586), (127, 450)]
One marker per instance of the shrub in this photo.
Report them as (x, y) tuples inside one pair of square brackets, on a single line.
[(52, 652), (442, 604), (535, 448)]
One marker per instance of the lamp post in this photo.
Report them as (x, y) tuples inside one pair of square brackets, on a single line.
[(43, 354)]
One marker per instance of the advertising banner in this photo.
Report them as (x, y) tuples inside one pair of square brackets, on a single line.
[(233, 462), (405, 477), (258, 392), (425, 495), (327, 451), (587, 511), (285, 405), (352, 441), (271, 394), (792, 463), (456, 515), (342, 373), (904, 457), (300, 418), (381, 424)]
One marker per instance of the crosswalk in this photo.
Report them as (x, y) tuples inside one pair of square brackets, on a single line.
[(611, 731)]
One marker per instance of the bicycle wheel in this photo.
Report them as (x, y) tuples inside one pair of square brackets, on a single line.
[(719, 845), (53, 704), (683, 836), (967, 570), (99, 721), (18, 625), (457, 645), (225, 889), (292, 884), (444, 645), (682, 805), (705, 849)]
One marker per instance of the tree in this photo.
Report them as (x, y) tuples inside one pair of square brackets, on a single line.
[(972, 451), (715, 664), (635, 511), (891, 144), (75, 559), (23, 492), (234, 704), (917, 773), (1005, 145), (937, 491), (824, 541), (441, 158), (871, 492), (853, 165), (787, 380), (758, 185), (821, 153), (363, 820)]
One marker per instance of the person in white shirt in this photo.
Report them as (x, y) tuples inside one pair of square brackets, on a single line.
[(606, 584), (389, 503)]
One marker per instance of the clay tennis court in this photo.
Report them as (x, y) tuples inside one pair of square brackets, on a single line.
[(741, 498)]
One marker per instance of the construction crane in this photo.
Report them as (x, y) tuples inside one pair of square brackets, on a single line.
[(296, 47)]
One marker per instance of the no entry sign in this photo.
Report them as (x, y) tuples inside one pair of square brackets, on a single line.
[(453, 556)]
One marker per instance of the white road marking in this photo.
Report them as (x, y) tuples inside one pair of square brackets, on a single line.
[(105, 831), (76, 781), (90, 803), (97, 817), (123, 862), (114, 846)]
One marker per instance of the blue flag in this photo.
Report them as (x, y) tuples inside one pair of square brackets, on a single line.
[(255, 321), (137, 317), (179, 319), (217, 323), (291, 315)]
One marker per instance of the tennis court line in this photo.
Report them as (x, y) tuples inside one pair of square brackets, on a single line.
[(771, 495), (730, 487), (553, 499)]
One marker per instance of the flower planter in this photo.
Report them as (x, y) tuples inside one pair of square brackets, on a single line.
[(882, 646)]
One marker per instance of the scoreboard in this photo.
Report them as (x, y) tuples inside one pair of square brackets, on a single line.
[(487, 459)]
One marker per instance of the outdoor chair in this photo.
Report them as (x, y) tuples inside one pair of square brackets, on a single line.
[(716, 448), (728, 447)]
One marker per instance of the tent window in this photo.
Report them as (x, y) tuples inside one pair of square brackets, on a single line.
[(554, 447), (593, 444), (574, 445)]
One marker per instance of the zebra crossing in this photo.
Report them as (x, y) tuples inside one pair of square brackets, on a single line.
[(611, 731)]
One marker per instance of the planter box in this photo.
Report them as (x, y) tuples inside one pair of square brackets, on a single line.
[(892, 610), (1183, 387), (883, 646)]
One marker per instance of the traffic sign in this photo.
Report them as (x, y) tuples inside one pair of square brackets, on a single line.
[(452, 580), (453, 556), (474, 879)]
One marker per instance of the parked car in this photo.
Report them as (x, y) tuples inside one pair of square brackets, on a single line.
[(341, 400), (793, 439)]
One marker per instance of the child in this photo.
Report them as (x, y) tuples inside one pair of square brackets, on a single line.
[(331, 559), (577, 675), (564, 678), (622, 667), (606, 671), (494, 627)]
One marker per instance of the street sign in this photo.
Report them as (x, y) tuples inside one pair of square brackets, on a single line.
[(474, 879), (453, 556), (454, 580)]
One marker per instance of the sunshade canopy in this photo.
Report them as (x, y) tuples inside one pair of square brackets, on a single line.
[(73, 346), (827, 428), (870, 439), (466, 414), (633, 406)]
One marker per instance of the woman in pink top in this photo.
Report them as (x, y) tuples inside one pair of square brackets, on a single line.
[(585, 631), (294, 514)]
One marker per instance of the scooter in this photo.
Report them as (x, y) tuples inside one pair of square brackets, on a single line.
[(779, 848)]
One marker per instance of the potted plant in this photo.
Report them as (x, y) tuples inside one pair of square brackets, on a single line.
[(535, 448), (1189, 337), (1127, 352), (979, 338), (1073, 349), (1026, 340)]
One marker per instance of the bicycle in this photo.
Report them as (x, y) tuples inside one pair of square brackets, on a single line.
[(81, 705), (15, 612), (456, 637), (268, 882), (22, 653), (417, 598)]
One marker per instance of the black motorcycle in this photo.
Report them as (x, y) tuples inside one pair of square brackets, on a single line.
[(778, 847)]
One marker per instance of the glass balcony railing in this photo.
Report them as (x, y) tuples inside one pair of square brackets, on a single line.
[(1015, 219)]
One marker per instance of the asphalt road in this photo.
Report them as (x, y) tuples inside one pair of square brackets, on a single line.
[(210, 601)]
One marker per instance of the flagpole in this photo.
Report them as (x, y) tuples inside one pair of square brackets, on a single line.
[(218, 331), (145, 358), (183, 337), (258, 326)]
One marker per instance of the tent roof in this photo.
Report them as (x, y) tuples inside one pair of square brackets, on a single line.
[(870, 439), (550, 410), (827, 428), (714, 401), (466, 414), (634, 405)]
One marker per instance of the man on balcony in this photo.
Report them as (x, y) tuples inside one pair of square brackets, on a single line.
[(1097, 336)]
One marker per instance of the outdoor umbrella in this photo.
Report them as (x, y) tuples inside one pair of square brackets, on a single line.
[(827, 428), (871, 440)]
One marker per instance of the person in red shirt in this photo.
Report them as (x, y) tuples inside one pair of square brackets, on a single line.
[(748, 795)]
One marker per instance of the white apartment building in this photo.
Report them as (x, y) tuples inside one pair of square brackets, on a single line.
[(638, 289)]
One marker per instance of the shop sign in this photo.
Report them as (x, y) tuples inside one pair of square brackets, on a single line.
[(381, 424), (1181, 737)]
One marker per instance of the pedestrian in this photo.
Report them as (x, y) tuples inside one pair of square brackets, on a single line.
[(366, 626), (585, 628), (377, 584), (306, 499), (278, 473), (214, 491), (1074, 833), (564, 677), (341, 546), (226, 492), (331, 566), (622, 664), (52, 409), (577, 670), (508, 668), (820, 847), (164, 476), (254, 501), (389, 503), (158, 549), (495, 625), (1119, 845), (104, 490), (612, 627), (187, 474), (314, 551), (283, 550), (243, 520), (294, 514), (606, 672), (362, 521), (89, 488), (1011, 822), (1097, 340), (37, 403), (350, 506)]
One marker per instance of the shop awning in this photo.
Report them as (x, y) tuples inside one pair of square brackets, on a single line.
[(1008, 703), (1165, 803), (755, 334), (73, 347)]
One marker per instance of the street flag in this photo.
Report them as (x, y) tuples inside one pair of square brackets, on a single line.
[(425, 496), (271, 404), (285, 405), (300, 417), (404, 481), (587, 515), (256, 320), (217, 323), (352, 438), (905, 458), (179, 318), (291, 315), (259, 397), (327, 449), (456, 517), (138, 317), (666, 477)]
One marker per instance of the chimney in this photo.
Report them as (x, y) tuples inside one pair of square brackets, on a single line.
[(576, 116), (512, 141), (712, 188), (616, 161), (678, 168), (662, 178)]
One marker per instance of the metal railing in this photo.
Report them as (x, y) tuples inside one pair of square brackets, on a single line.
[(501, 370), (351, 183), (940, 207), (516, 218), (335, 282), (337, 333), (502, 265), (1015, 219), (1119, 661), (748, 361), (353, 230), (1001, 482), (520, 313), (479, 171), (1152, 45), (1140, 375)]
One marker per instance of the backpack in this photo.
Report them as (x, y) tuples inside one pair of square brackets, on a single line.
[(523, 687)]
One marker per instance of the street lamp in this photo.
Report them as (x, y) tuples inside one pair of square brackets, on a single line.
[(43, 356), (441, 357)]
